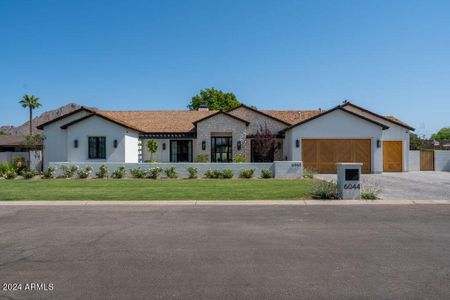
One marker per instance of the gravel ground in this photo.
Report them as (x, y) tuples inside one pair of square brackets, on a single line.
[(406, 185)]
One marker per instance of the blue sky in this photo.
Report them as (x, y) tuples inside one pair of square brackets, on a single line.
[(392, 57)]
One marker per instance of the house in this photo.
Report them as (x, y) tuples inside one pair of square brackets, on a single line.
[(14, 146), (319, 138)]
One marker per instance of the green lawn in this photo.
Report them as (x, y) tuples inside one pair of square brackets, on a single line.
[(147, 189)]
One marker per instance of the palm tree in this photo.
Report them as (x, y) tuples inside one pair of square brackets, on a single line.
[(31, 102)]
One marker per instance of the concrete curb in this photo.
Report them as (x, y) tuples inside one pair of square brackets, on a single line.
[(221, 202)]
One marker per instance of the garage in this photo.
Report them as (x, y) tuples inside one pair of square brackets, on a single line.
[(321, 155), (392, 156)]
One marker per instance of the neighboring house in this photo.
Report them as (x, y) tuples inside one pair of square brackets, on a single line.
[(319, 138), (12, 146)]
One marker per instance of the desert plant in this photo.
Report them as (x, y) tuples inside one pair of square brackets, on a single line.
[(102, 172), (370, 191), (266, 174), (118, 173), (154, 173), (369, 196), (138, 173), (84, 173), (308, 173), (193, 172), (209, 173), (49, 172), (10, 174), (322, 189), (227, 173), (19, 164), (239, 158), (28, 174), (247, 173), (152, 147), (201, 158), (171, 172), (69, 171)]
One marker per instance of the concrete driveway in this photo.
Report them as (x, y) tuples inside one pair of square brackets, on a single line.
[(227, 252), (406, 185)]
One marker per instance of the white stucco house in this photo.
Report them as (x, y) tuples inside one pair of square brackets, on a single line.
[(319, 138)]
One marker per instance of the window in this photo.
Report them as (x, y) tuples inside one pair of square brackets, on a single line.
[(181, 151), (97, 147), (221, 149)]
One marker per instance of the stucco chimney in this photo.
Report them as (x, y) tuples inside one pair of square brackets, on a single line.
[(203, 107)]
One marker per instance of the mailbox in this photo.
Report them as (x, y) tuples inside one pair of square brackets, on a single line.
[(349, 180)]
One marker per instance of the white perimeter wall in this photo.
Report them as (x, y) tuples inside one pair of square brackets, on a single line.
[(442, 160), (337, 124), (414, 160)]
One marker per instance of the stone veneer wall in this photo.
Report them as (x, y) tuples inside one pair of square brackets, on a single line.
[(220, 125), (280, 169)]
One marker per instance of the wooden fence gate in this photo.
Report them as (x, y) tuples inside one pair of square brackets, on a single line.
[(426, 160)]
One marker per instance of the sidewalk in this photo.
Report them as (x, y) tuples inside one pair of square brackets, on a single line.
[(224, 202)]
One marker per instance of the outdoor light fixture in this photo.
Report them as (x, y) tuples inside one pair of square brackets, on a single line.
[(203, 145), (378, 144), (239, 145), (115, 143), (75, 143), (297, 143), (164, 146)]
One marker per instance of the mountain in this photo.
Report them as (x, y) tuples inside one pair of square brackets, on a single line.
[(44, 117)]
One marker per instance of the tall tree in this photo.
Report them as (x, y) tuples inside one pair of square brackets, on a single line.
[(214, 99), (442, 135), (31, 102)]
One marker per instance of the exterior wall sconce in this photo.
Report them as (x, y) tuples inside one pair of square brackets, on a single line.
[(297, 143), (378, 144), (203, 145), (115, 143), (239, 145), (75, 143), (164, 146)]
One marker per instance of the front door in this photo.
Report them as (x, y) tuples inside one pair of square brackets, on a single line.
[(181, 151)]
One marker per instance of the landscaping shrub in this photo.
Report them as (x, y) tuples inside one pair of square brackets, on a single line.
[(69, 171), (102, 172), (247, 173), (308, 173), (28, 174), (10, 174), (49, 173), (4, 167), (266, 174), (171, 172), (370, 191), (154, 173), (213, 174), (19, 164), (193, 172), (118, 173), (239, 158), (227, 173), (322, 189), (369, 196), (201, 158), (84, 173), (138, 173)]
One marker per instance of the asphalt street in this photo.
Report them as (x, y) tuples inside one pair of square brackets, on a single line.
[(225, 252)]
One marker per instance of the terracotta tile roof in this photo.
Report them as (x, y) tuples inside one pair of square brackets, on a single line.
[(292, 116), (158, 120), (395, 120)]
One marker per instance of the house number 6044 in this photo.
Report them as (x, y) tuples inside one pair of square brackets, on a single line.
[(352, 186)]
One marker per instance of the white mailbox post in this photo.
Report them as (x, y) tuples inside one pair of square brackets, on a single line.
[(349, 180)]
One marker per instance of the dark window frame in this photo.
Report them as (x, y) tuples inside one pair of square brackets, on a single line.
[(190, 144), (214, 145), (99, 143)]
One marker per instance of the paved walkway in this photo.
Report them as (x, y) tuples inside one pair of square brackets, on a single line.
[(406, 185)]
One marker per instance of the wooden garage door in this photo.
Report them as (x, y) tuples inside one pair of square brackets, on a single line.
[(392, 156), (321, 155)]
